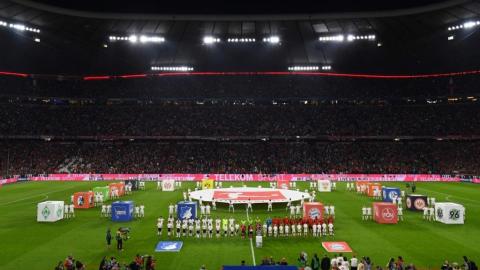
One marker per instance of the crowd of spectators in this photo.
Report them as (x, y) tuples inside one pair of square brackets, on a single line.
[(264, 135), (240, 120), (442, 157)]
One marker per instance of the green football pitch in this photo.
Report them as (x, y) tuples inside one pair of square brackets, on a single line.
[(26, 244)]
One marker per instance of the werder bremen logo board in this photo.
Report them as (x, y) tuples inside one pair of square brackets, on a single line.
[(59, 212), (45, 212)]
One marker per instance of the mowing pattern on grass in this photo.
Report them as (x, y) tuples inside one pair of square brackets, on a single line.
[(41, 245)]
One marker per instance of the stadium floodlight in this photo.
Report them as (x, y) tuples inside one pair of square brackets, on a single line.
[(37, 40), (451, 37), (336, 38), (272, 39), (21, 27), (172, 68), (326, 67), (135, 39), (465, 25), (210, 40), (152, 39), (349, 38), (241, 40), (303, 68)]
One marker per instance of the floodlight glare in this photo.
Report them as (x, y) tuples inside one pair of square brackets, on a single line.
[(210, 40), (133, 38)]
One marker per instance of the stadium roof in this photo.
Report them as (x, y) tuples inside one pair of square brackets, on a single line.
[(81, 29)]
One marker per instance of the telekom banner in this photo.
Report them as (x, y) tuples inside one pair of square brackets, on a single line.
[(257, 177), (8, 181)]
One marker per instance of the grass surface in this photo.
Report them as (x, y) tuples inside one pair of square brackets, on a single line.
[(24, 242)]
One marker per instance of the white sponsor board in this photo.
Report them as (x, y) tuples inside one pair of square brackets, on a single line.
[(449, 213), (50, 211), (324, 185), (168, 185)]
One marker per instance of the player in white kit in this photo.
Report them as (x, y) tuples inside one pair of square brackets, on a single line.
[(324, 229), (159, 225), (136, 212), (289, 204), (292, 211), (369, 213), (332, 210), (305, 229), (269, 229), (142, 211), (249, 205), (207, 210), (269, 207), (202, 210), (65, 211), (364, 213), (298, 211), (275, 230), (400, 213), (103, 213), (230, 206), (169, 228), (426, 213), (214, 204), (330, 228), (71, 211), (432, 213)]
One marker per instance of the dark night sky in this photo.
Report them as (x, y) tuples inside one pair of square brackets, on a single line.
[(236, 7)]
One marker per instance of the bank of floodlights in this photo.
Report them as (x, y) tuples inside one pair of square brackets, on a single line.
[(272, 39), (465, 25), (172, 68), (210, 40), (136, 38), (349, 38), (19, 27), (303, 68), (241, 40)]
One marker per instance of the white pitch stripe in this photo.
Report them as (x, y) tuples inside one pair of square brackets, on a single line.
[(34, 196), (251, 244)]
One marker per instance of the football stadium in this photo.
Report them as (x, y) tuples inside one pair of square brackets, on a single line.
[(332, 135)]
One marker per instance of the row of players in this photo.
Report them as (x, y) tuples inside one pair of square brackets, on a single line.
[(138, 211), (228, 227), (68, 211)]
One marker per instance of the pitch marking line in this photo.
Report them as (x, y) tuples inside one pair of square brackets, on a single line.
[(450, 195), (34, 196), (251, 244)]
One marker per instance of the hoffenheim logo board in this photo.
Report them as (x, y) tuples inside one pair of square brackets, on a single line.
[(169, 246), (187, 210)]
